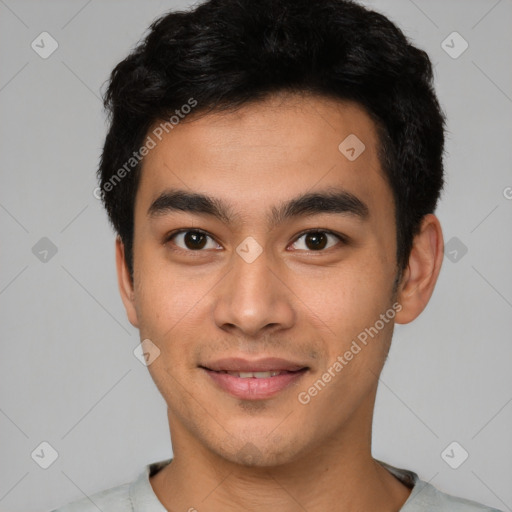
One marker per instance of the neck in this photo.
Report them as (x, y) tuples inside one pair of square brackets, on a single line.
[(340, 475)]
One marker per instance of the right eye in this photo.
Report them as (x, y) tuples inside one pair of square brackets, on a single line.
[(191, 240)]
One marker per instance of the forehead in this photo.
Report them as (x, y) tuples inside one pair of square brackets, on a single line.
[(267, 152)]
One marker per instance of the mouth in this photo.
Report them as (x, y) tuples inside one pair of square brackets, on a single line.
[(256, 375), (256, 380)]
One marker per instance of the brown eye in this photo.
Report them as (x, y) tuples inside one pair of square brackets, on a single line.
[(192, 240), (317, 240)]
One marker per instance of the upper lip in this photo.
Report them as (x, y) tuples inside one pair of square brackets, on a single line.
[(238, 364)]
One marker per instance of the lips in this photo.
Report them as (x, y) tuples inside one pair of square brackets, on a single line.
[(269, 364), (254, 380)]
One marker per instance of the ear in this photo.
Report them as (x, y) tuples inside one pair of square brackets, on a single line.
[(420, 276), (125, 283)]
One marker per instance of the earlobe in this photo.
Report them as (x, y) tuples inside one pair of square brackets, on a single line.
[(125, 284), (420, 276)]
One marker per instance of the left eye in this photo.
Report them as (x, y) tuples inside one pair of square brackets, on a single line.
[(317, 240)]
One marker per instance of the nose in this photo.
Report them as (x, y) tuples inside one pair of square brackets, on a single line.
[(253, 299)]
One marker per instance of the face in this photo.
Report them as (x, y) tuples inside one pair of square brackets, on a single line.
[(283, 266)]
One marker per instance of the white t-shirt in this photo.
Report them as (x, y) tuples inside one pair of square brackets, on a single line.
[(138, 496)]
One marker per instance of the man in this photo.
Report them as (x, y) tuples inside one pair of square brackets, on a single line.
[(271, 170)]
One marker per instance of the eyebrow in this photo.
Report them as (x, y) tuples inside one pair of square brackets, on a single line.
[(332, 200)]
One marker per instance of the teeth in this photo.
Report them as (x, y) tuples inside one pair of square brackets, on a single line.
[(258, 375)]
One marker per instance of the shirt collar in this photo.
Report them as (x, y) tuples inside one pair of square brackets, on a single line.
[(144, 499)]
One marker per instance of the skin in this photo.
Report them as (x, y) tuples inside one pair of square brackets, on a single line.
[(291, 302)]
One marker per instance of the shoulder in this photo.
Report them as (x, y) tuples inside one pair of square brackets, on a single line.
[(137, 495), (116, 499), (425, 497)]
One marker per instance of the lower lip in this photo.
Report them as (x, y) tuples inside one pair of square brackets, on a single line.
[(252, 388)]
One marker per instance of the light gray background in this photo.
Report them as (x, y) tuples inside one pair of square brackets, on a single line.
[(68, 373)]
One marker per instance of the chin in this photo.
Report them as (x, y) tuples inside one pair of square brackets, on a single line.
[(260, 452)]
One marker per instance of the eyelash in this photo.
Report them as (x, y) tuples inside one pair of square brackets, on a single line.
[(341, 238)]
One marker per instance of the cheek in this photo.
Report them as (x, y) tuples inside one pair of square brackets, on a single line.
[(171, 307), (161, 290), (350, 311)]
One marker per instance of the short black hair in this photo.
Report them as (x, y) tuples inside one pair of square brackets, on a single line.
[(224, 54)]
